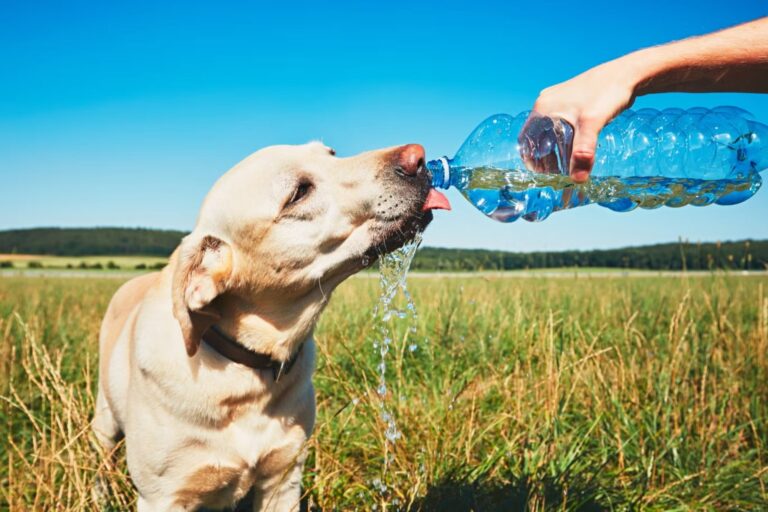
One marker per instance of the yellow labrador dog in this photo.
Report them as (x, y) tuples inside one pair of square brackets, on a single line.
[(206, 366)]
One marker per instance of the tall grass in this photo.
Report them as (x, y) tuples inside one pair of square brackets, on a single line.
[(547, 394)]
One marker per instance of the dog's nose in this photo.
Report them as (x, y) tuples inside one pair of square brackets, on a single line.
[(410, 159)]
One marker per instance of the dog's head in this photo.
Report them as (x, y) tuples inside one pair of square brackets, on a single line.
[(279, 231)]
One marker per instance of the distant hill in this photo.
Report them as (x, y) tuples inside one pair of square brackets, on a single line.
[(90, 241), (745, 254)]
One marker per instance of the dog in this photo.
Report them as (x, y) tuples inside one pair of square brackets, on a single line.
[(206, 366)]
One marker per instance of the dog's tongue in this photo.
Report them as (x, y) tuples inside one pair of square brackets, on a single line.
[(435, 201)]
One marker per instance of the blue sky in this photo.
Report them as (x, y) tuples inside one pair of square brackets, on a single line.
[(124, 115)]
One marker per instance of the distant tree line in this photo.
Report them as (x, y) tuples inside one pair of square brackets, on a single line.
[(741, 255), (745, 254), (90, 241)]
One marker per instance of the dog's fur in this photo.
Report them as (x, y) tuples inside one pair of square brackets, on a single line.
[(274, 237)]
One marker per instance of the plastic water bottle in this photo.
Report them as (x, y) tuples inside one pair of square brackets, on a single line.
[(515, 166)]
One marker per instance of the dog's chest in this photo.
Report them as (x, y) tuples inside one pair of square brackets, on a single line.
[(266, 445), (253, 434), (251, 449)]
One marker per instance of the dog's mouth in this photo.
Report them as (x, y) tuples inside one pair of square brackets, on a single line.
[(393, 233), (396, 234), (404, 208)]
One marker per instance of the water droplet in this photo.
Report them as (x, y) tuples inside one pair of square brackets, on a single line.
[(392, 434)]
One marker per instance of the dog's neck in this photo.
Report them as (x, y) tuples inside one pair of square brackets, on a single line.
[(276, 330)]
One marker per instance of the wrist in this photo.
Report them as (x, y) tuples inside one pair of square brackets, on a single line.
[(637, 70), (640, 68)]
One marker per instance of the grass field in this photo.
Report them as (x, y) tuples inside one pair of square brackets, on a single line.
[(547, 394)]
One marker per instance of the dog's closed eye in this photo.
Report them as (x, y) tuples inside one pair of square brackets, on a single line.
[(302, 190)]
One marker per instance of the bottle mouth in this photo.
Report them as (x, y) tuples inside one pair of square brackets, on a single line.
[(440, 170)]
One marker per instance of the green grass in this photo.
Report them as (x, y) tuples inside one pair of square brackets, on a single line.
[(546, 394)]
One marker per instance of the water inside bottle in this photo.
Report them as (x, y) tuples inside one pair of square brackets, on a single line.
[(508, 194), (395, 305)]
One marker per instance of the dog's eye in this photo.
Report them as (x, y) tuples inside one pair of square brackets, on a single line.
[(300, 192)]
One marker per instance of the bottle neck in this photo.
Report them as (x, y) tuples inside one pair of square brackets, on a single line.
[(441, 172)]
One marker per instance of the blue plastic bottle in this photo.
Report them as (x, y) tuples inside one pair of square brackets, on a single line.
[(646, 158)]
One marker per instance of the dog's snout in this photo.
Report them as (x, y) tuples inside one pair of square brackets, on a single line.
[(410, 159)]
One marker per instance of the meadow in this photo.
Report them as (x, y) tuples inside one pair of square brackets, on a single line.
[(555, 393)]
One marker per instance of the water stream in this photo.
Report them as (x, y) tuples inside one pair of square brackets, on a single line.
[(393, 271)]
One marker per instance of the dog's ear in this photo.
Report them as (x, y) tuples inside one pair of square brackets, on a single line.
[(203, 271)]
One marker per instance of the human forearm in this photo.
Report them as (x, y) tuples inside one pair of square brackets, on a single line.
[(734, 59)]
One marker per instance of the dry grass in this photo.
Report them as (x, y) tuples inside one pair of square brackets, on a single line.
[(553, 394)]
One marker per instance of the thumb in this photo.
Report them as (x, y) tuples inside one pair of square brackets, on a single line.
[(583, 152)]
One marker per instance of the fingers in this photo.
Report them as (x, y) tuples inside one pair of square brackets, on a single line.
[(584, 146)]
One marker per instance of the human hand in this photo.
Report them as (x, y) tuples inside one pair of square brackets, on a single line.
[(588, 102)]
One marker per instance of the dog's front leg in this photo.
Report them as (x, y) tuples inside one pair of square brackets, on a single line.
[(106, 432), (281, 493)]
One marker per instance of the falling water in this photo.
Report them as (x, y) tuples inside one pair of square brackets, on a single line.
[(393, 269)]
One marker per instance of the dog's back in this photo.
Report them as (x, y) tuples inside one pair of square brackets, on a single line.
[(121, 309), (125, 300)]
